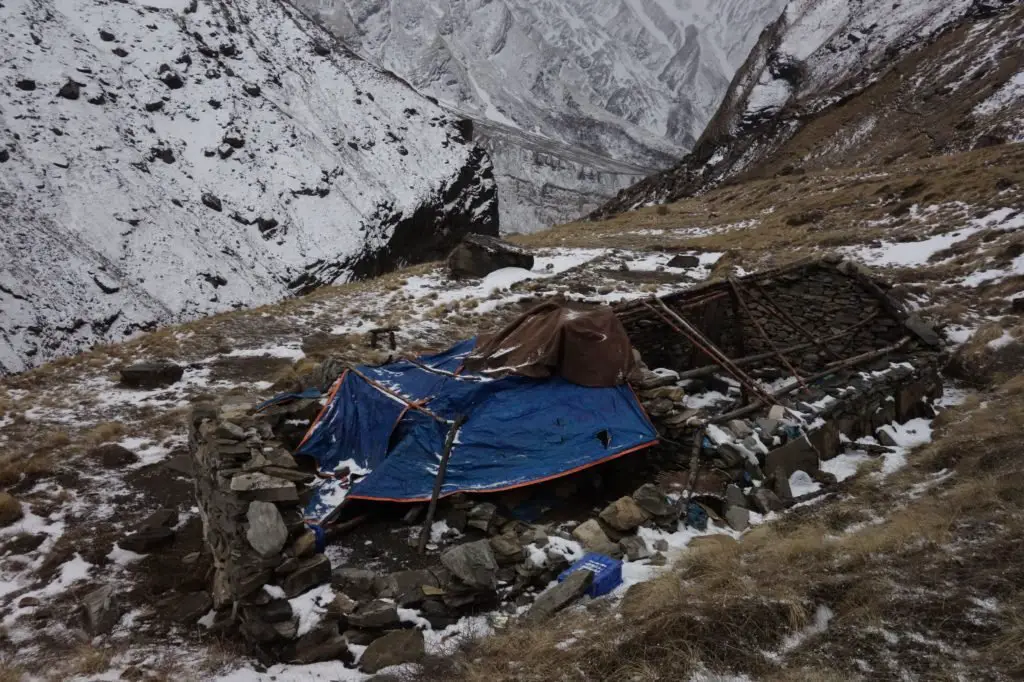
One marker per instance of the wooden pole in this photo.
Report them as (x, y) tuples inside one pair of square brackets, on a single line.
[(849, 362), (439, 481), (764, 334), (751, 359)]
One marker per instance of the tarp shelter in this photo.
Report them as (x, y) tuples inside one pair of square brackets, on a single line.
[(392, 421)]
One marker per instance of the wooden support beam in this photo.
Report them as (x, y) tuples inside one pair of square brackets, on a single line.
[(449, 443)]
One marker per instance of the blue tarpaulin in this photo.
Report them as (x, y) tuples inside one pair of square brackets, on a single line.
[(393, 420)]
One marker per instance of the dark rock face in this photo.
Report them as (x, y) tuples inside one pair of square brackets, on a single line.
[(70, 90), (151, 374), (26, 84), (428, 234), (478, 255)]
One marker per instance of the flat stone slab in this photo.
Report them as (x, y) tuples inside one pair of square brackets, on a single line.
[(558, 597), (259, 486)]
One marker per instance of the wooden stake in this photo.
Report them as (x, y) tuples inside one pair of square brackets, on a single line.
[(439, 481)]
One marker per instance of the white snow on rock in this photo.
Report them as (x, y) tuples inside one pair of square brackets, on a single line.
[(215, 158)]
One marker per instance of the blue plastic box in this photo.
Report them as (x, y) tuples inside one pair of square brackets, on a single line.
[(607, 573)]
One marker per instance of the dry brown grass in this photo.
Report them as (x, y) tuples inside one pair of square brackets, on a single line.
[(104, 433)]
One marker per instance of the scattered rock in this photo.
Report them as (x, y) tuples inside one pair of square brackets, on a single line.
[(154, 106), (473, 563), (10, 509), (782, 488), (740, 428), (171, 78), (323, 644), (100, 610), (120, 52), (624, 514), (23, 543), (146, 540), (824, 477), (106, 36), (309, 574), (661, 545), (151, 374), (734, 496), (634, 547), (507, 549), (251, 89), (766, 501), (738, 518), (354, 581), (683, 261), (406, 587), (267, 533), (658, 559), (376, 614), (342, 606), (593, 538), (162, 518), (481, 516), (885, 437), (259, 486), (212, 201), (558, 597), (479, 255), (70, 90), (653, 501), (796, 455), (394, 648), (26, 84), (190, 607)]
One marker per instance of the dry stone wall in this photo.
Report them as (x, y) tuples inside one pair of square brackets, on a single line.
[(250, 492)]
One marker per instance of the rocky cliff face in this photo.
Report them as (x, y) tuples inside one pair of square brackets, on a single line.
[(858, 82), (165, 159), (613, 88)]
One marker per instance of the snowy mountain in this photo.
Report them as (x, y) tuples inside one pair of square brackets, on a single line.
[(610, 90), (841, 82), (165, 159)]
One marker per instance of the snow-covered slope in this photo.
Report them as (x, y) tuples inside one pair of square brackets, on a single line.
[(844, 82), (164, 159), (630, 81)]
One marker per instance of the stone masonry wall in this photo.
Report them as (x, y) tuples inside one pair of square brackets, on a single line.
[(250, 490), (822, 298)]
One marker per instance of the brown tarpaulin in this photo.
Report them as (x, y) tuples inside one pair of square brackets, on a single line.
[(588, 347)]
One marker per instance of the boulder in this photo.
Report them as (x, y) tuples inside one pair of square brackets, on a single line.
[(70, 90), (100, 610), (796, 455), (683, 261), (147, 539), (634, 547), (473, 563), (189, 608), (653, 501), (376, 614), (113, 456), (478, 255), (826, 441), (10, 509), (624, 514), (267, 533), (593, 538), (481, 516), (394, 648), (559, 596), (738, 518), (734, 496), (323, 643), (354, 581), (405, 587), (782, 489), (309, 574), (151, 374), (259, 486), (766, 501), (506, 549)]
